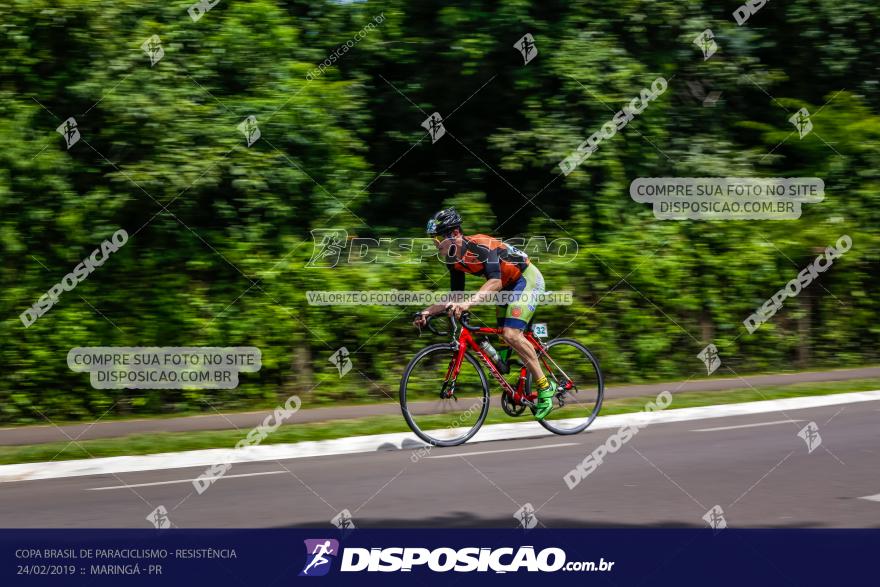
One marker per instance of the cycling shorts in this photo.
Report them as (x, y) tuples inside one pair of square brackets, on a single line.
[(517, 314)]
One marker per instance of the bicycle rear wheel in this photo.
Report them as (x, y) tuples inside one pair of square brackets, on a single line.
[(574, 372), (441, 412)]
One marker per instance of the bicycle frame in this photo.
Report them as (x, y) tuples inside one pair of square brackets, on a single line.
[(466, 342), (463, 338)]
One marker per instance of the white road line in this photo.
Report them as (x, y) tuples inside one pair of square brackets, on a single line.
[(872, 497), (181, 481), (745, 425), (401, 441), (491, 452)]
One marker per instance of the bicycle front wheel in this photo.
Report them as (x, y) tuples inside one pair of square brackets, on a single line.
[(574, 372), (441, 410)]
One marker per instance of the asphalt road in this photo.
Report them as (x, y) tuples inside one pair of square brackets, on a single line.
[(755, 467), (247, 420)]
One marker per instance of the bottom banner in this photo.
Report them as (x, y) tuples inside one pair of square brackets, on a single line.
[(439, 556)]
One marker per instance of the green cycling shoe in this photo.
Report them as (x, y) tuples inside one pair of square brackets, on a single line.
[(545, 402)]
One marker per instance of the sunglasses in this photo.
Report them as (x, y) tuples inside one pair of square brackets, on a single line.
[(440, 238)]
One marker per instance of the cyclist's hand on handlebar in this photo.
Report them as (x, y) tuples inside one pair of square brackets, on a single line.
[(458, 309), (421, 319)]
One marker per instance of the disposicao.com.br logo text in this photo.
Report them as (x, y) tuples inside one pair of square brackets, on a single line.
[(445, 559)]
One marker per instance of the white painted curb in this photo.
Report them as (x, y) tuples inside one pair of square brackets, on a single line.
[(398, 441)]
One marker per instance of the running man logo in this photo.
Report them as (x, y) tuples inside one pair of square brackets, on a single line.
[(319, 554), (327, 246), (250, 130), (434, 125), (69, 131), (343, 519), (715, 519), (801, 121), (341, 358), (706, 42), (810, 435), (526, 47), (153, 48), (526, 516), (710, 358), (159, 518)]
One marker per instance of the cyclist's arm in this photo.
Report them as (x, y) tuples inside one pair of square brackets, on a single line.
[(492, 285), (434, 309)]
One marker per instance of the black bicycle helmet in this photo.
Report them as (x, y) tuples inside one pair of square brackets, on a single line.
[(443, 222)]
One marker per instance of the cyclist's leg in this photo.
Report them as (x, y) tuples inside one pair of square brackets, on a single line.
[(517, 316), (513, 336), (521, 310), (504, 349), (500, 313), (519, 313)]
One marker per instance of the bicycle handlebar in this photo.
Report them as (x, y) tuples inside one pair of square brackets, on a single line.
[(431, 325), (464, 320)]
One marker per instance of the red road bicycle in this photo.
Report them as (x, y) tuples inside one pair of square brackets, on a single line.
[(444, 393)]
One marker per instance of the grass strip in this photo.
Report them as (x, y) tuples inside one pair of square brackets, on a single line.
[(141, 444)]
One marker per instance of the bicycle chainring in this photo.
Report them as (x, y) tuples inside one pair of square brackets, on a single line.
[(510, 408)]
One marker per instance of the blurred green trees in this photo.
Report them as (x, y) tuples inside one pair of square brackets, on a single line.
[(219, 231)]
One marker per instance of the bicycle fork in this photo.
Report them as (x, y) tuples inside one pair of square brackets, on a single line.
[(448, 389)]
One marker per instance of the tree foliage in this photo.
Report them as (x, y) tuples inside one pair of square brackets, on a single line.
[(220, 232)]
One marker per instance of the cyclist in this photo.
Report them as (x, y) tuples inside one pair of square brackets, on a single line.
[(505, 269)]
